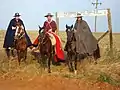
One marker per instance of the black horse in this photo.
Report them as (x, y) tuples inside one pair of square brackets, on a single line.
[(71, 49), (45, 47)]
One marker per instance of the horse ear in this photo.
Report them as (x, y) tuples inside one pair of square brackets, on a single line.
[(39, 26), (66, 26), (72, 26), (39, 29)]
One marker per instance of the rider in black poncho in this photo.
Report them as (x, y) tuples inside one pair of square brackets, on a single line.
[(10, 33)]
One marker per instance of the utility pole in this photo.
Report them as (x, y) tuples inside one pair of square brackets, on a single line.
[(96, 7)]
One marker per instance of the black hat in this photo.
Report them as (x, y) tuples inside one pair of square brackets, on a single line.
[(49, 14), (17, 15)]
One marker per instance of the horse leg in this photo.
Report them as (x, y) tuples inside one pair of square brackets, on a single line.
[(72, 69), (49, 60), (19, 57), (68, 62), (96, 54), (12, 52), (75, 63), (25, 56), (42, 61), (71, 64), (95, 60), (8, 52)]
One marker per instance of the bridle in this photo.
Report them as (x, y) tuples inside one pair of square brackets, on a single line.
[(20, 33)]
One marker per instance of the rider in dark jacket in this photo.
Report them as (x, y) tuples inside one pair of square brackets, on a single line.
[(10, 33)]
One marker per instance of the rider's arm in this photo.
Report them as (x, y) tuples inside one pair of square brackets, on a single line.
[(11, 25), (54, 26)]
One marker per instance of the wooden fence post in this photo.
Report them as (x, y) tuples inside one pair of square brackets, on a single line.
[(110, 29), (57, 21)]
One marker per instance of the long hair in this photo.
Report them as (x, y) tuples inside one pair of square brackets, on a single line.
[(77, 19)]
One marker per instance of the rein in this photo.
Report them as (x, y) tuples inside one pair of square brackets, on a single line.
[(45, 41)]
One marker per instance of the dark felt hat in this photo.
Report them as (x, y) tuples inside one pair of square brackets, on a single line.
[(17, 15), (49, 14)]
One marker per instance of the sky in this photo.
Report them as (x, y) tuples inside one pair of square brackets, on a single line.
[(33, 12)]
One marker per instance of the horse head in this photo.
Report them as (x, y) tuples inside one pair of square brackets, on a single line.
[(19, 30), (40, 29), (70, 33), (41, 34)]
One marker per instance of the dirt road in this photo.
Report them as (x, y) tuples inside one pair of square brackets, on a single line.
[(53, 83)]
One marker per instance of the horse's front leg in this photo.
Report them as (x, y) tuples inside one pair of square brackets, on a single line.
[(68, 62), (12, 52), (75, 63), (25, 56), (49, 60), (70, 65), (19, 57)]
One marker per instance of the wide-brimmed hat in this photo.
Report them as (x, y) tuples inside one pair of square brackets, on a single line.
[(17, 15), (49, 14), (78, 15)]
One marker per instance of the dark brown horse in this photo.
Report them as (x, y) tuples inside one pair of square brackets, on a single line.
[(20, 43), (70, 48), (46, 48)]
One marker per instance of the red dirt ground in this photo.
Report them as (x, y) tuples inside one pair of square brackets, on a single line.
[(53, 83)]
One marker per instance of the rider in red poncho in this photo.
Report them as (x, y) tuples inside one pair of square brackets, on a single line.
[(50, 27)]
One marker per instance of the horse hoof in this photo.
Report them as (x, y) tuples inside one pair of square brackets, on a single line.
[(71, 71), (95, 63), (75, 72), (11, 58), (49, 71)]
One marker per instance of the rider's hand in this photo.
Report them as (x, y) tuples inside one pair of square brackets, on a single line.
[(13, 28), (75, 30), (50, 30)]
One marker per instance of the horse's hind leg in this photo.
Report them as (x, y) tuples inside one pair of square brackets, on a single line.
[(7, 52)]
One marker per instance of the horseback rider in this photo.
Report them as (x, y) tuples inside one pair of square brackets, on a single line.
[(49, 25), (86, 43), (50, 28), (10, 33)]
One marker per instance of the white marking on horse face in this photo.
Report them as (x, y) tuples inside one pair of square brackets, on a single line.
[(16, 32), (22, 27)]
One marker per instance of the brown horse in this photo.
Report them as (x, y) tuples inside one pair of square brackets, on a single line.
[(20, 43), (46, 48)]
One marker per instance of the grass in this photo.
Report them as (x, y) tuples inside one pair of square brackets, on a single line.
[(107, 69), (106, 78)]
